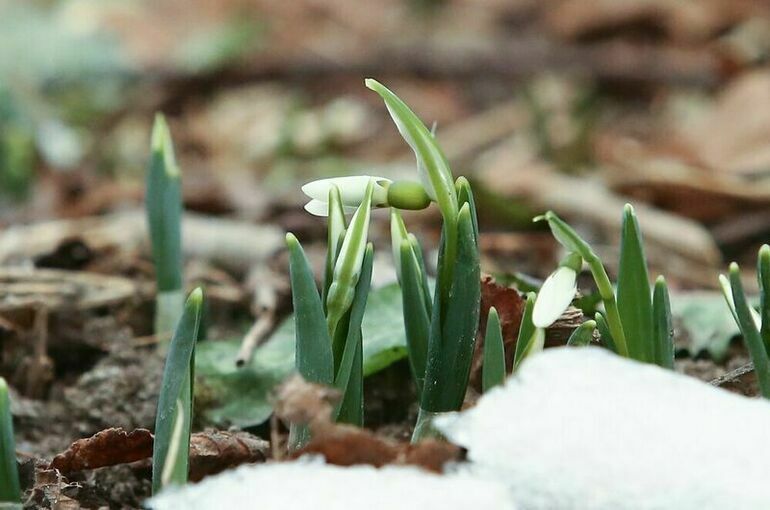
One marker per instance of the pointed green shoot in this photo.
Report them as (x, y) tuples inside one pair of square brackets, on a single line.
[(10, 491), (164, 215), (347, 268), (634, 299), (605, 336), (454, 323), (337, 225), (663, 329), (493, 368), (582, 335), (170, 456), (763, 275), (416, 315), (313, 358), (313, 349), (350, 376), (750, 332), (527, 332), (570, 239), (465, 196)]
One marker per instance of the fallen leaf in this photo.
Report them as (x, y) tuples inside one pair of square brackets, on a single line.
[(105, 448), (211, 451), (344, 445), (510, 307)]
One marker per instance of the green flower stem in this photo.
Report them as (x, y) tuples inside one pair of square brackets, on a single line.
[(567, 236)]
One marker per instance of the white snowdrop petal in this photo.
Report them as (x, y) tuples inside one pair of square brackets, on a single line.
[(352, 188), (317, 208), (554, 297)]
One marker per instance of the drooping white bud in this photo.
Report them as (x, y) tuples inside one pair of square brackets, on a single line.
[(554, 297), (352, 191)]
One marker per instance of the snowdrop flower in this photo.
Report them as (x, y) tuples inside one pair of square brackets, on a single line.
[(352, 191), (557, 292), (385, 193)]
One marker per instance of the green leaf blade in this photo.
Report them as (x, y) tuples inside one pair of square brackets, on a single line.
[(176, 391), (314, 359), (10, 489), (416, 315), (633, 291), (349, 378), (453, 326), (582, 335), (663, 327), (493, 367), (751, 335), (164, 208), (526, 331), (763, 275)]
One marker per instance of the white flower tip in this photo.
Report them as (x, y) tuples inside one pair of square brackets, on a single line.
[(317, 208), (554, 297)]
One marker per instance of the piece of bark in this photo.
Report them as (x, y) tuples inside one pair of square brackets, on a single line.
[(211, 451)]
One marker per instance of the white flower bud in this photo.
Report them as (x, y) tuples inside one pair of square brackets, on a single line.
[(352, 191), (727, 290), (554, 297)]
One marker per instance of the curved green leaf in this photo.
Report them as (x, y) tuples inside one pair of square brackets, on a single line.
[(174, 416)]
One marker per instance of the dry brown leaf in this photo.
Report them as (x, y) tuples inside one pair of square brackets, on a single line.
[(211, 451), (302, 402), (510, 307), (105, 448)]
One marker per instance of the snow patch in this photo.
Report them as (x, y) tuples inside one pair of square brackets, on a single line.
[(583, 429), (311, 484)]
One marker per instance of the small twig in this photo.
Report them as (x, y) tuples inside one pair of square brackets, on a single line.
[(258, 332)]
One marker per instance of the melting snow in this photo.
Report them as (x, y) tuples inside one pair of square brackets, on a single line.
[(582, 429), (305, 485)]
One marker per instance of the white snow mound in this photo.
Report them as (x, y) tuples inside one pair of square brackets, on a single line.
[(311, 484), (583, 429)]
